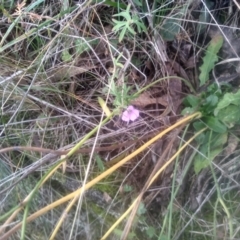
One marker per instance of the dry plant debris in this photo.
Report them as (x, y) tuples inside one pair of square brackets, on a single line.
[(152, 65)]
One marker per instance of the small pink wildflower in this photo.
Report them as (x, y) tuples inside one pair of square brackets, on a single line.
[(130, 114)]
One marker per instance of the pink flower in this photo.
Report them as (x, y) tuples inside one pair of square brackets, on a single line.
[(130, 114)]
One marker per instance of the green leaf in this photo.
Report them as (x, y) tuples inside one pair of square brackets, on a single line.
[(125, 26), (66, 56), (141, 27), (219, 140), (163, 237), (211, 100), (230, 115), (228, 98), (187, 111), (141, 209), (200, 138), (199, 125), (123, 14), (214, 124), (170, 29), (100, 163), (151, 232), (201, 162), (131, 30), (122, 34), (210, 103), (118, 25), (206, 155), (127, 188), (192, 100), (172, 26), (118, 232), (210, 58)]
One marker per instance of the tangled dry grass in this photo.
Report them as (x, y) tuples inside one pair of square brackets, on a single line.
[(57, 59)]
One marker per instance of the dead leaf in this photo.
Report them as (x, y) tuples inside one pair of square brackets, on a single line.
[(175, 86), (66, 71), (177, 69), (232, 145), (106, 197), (191, 62), (145, 99)]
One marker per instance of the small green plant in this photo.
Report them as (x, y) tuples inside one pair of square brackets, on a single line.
[(118, 88), (125, 26), (220, 111), (210, 58), (228, 109), (121, 94), (219, 108)]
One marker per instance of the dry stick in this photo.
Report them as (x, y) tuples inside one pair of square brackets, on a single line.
[(82, 150), (144, 189), (64, 152)]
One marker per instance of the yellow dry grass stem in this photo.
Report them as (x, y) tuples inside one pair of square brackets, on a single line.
[(75, 195), (138, 199)]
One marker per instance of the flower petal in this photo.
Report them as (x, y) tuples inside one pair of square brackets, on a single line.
[(134, 114), (130, 108), (130, 114), (125, 116)]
